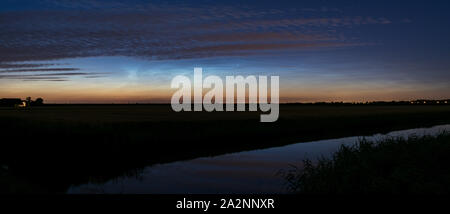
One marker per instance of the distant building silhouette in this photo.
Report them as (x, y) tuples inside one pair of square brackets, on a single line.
[(17, 102), (11, 102)]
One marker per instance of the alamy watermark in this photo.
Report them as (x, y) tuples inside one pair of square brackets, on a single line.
[(213, 100)]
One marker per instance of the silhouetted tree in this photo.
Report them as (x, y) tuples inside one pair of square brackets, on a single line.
[(28, 100), (39, 101)]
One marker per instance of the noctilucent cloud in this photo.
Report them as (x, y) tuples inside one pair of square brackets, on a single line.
[(101, 51)]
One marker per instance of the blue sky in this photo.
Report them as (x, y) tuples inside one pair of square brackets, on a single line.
[(128, 51)]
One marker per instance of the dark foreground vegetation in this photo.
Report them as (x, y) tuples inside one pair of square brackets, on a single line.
[(416, 165), (48, 148)]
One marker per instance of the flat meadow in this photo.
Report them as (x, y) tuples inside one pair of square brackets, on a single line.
[(92, 143)]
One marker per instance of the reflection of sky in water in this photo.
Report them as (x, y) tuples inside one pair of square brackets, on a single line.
[(243, 172)]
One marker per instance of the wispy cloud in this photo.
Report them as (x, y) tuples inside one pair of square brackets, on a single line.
[(51, 76), (38, 70), (152, 31), (164, 32), (22, 65)]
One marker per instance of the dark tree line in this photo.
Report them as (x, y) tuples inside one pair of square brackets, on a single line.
[(38, 102), (12, 102)]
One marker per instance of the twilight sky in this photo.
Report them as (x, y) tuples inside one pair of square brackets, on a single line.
[(128, 51)]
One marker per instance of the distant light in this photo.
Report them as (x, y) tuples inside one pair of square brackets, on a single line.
[(22, 105)]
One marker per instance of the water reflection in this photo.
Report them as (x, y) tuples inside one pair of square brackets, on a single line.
[(244, 172)]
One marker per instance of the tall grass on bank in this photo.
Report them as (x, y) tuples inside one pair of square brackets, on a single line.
[(413, 165)]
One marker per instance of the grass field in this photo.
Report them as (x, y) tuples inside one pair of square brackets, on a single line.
[(59, 145), (164, 113)]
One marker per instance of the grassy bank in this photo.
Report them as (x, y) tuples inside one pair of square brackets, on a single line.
[(56, 146), (417, 165)]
